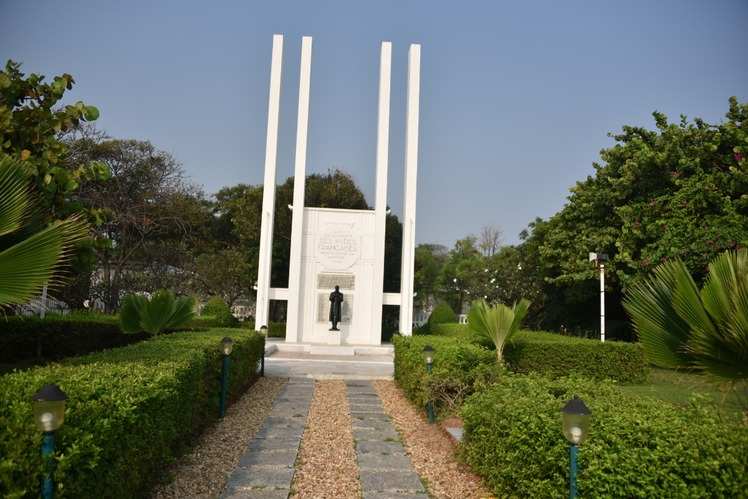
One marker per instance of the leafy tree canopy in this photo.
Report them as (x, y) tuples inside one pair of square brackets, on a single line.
[(31, 123), (680, 191)]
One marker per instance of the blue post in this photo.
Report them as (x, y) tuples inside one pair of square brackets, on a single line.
[(48, 453), (224, 384), (430, 403), (572, 471)]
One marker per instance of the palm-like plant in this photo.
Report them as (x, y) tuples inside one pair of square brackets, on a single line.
[(498, 323), (28, 264), (162, 311), (682, 327)]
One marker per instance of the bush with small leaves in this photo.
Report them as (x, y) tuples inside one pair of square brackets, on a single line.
[(637, 447)]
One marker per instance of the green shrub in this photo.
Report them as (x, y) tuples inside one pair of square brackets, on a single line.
[(215, 306), (220, 312), (130, 412), (59, 336), (555, 355), (162, 311), (441, 314), (638, 447), (458, 370)]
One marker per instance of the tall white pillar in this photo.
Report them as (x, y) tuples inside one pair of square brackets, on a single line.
[(268, 191), (409, 204), (380, 199), (294, 314)]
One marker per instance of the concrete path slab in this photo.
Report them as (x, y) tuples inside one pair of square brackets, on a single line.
[(385, 470), (266, 469)]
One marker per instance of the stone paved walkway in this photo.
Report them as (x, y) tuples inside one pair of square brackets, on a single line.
[(385, 469), (266, 469)]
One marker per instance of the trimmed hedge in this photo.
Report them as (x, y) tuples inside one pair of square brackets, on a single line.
[(59, 336), (458, 370), (441, 314), (555, 355), (638, 447), (130, 412), (219, 313)]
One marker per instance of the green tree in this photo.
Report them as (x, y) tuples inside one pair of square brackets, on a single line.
[(429, 261), (152, 217), (225, 273), (461, 273), (31, 123), (680, 191)]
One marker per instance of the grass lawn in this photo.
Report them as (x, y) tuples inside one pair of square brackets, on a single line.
[(678, 387)]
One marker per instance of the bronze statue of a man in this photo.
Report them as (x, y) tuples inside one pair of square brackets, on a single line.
[(336, 300)]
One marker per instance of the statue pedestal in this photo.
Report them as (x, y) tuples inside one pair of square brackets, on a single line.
[(333, 338)]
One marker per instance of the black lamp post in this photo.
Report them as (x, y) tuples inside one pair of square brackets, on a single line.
[(263, 332), (227, 344), (428, 356), (576, 424), (49, 414)]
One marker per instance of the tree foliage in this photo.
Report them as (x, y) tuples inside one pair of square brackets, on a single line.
[(152, 218), (31, 122), (678, 191)]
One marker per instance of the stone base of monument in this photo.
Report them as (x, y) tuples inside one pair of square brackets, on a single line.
[(333, 338)]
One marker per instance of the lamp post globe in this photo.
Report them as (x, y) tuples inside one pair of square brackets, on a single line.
[(49, 407), (576, 425), (576, 421), (227, 344), (428, 355)]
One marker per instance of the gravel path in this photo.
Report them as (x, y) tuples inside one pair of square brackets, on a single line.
[(326, 466), (203, 472), (431, 450)]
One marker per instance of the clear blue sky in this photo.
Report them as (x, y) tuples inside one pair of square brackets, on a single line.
[(517, 98)]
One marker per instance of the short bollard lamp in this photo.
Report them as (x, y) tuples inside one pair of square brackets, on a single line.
[(227, 344), (428, 357), (49, 414), (576, 425)]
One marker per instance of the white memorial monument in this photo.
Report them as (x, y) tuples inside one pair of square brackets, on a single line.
[(340, 247)]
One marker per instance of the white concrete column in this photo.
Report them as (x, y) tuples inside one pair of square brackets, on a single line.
[(268, 192), (380, 199), (409, 192), (294, 315)]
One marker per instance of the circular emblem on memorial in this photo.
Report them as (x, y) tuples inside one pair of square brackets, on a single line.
[(338, 249)]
